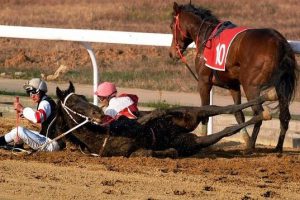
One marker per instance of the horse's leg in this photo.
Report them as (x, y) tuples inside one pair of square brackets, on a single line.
[(188, 118), (188, 144), (206, 111), (284, 117), (239, 115), (251, 93), (204, 90)]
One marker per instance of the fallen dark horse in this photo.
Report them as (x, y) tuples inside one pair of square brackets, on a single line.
[(159, 133)]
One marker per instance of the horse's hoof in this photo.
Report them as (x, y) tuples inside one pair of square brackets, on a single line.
[(278, 150), (271, 95), (248, 152), (171, 153), (142, 153), (266, 115)]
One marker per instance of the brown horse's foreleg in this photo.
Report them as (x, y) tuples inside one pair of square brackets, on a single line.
[(187, 144), (204, 90), (252, 92)]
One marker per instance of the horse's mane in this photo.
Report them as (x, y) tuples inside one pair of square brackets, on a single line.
[(203, 13)]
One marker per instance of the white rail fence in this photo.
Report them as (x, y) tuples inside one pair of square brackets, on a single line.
[(101, 36)]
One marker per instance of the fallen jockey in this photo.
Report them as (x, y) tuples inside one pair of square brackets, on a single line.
[(36, 89)]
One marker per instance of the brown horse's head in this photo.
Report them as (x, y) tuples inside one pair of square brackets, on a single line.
[(189, 24), (77, 106), (181, 37)]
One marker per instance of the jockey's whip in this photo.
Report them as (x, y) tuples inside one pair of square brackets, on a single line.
[(17, 139)]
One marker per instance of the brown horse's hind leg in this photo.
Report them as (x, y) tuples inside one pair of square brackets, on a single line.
[(284, 118), (188, 144), (251, 93)]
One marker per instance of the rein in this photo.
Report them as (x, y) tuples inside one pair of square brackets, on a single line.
[(198, 48), (68, 110), (63, 134), (178, 49)]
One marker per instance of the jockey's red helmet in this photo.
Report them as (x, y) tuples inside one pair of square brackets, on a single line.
[(106, 89)]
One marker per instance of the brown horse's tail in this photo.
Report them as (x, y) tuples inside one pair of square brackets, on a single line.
[(284, 78)]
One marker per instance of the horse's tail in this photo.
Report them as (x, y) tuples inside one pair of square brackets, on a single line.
[(284, 78)]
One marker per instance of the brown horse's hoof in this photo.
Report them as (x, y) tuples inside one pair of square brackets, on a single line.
[(271, 95), (266, 115)]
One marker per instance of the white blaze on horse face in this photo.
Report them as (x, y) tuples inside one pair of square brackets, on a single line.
[(220, 54)]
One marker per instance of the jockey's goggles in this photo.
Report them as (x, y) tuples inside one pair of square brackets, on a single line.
[(102, 98), (31, 91)]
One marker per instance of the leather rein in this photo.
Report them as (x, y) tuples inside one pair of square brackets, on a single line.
[(177, 46)]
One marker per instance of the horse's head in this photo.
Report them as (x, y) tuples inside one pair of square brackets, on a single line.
[(76, 107), (181, 36), (190, 23)]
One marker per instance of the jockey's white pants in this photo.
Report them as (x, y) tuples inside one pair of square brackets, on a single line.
[(31, 138)]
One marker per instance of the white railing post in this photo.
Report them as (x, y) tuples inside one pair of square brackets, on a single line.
[(210, 121), (88, 47)]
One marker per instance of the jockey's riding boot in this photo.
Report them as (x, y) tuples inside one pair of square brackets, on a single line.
[(2, 141)]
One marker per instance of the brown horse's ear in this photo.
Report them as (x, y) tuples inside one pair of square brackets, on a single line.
[(71, 88), (176, 8)]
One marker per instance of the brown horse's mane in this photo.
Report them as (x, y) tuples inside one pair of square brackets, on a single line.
[(203, 13)]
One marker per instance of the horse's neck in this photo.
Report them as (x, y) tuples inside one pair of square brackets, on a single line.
[(201, 31)]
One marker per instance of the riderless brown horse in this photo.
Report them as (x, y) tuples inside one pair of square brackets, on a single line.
[(257, 59), (158, 133)]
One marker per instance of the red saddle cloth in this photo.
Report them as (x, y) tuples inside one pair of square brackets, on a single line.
[(217, 47)]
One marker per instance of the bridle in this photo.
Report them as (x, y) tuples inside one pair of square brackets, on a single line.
[(183, 34), (178, 49), (87, 119), (69, 111)]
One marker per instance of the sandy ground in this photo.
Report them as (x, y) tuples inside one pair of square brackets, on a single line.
[(219, 172)]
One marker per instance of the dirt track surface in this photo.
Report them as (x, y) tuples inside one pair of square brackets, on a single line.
[(219, 172)]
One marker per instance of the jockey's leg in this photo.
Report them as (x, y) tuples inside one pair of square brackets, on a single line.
[(31, 138)]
